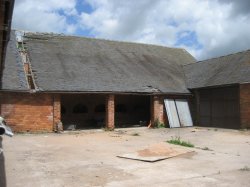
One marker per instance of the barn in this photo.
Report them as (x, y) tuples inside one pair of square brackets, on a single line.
[(88, 83), (221, 88), (52, 79)]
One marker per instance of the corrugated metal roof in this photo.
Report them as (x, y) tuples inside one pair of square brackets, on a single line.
[(225, 70)]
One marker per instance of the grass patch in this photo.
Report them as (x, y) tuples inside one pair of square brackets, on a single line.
[(178, 141), (108, 129), (135, 134), (246, 168), (158, 124)]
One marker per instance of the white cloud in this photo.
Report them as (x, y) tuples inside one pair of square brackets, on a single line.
[(43, 16), (205, 28), (159, 22)]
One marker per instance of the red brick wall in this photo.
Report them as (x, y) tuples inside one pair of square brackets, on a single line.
[(110, 112), (245, 105), (56, 110), (26, 112), (157, 109)]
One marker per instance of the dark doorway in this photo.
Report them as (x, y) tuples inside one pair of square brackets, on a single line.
[(132, 110), (85, 111), (219, 107), (82, 111)]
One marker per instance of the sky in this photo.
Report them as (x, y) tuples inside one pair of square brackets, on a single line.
[(205, 28)]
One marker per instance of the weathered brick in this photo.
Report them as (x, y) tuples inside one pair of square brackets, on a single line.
[(110, 112), (245, 105), (27, 112), (157, 109)]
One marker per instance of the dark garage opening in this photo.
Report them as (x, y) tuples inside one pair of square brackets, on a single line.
[(82, 111), (219, 107), (132, 110)]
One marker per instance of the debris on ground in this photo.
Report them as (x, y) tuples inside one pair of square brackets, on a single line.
[(156, 152)]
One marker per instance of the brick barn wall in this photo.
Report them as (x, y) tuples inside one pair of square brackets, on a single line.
[(245, 105), (157, 109), (110, 109), (26, 112), (56, 110)]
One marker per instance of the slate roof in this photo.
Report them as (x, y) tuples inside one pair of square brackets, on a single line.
[(225, 70), (78, 64), (13, 77)]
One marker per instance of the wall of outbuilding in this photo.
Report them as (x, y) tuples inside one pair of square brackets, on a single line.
[(42, 112), (218, 107), (245, 105), (25, 112), (33, 112)]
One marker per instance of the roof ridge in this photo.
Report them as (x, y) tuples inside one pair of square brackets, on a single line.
[(51, 34), (204, 61)]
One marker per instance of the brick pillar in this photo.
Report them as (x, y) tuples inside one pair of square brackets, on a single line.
[(56, 111), (245, 105), (110, 112), (157, 109)]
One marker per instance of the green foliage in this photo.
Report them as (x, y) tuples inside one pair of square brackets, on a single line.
[(108, 129), (158, 124), (178, 141)]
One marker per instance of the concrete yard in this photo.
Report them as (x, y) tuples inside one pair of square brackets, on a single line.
[(89, 158)]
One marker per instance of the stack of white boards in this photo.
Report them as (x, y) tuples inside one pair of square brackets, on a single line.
[(178, 113)]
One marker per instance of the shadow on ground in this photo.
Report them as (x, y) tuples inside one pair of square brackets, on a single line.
[(2, 167)]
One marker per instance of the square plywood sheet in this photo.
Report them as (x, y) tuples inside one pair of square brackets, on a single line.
[(157, 152)]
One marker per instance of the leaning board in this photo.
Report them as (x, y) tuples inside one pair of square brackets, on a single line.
[(184, 113), (172, 114)]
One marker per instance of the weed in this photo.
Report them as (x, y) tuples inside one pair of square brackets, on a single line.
[(206, 149), (178, 141), (158, 124), (108, 129), (135, 134), (246, 168)]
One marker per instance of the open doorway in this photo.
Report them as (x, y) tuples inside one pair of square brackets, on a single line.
[(82, 111), (88, 111), (132, 110)]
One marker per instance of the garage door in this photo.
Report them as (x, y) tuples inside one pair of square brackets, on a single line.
[(219, 107)]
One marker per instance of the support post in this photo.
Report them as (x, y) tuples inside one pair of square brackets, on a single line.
[(157, 109), (110, 112), (56, 112)]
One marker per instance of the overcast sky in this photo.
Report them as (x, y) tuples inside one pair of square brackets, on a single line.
[(206, 28)]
